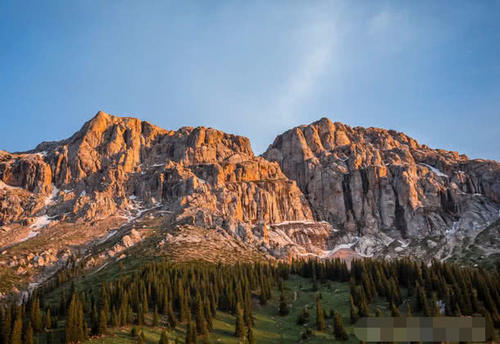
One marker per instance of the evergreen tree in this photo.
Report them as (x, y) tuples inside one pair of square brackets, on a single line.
[(250, 336), (436, 311), (201, 324), (320, 316), (36, 316), (28, 334), (191, 333), (6, 326), (491, 334), (133, 332), (283, 306), (140, 315), (74, 322), (17, 329), (156, 318), (48, 319), (240, 323), (354, 310), (163, 338), (103, 322), (303, 317), (338, 328), (395, 311)]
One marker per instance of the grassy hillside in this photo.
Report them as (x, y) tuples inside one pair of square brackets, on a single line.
[(269, 326)]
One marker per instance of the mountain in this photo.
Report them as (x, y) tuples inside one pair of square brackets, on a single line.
[(386, 192), (123, 187)]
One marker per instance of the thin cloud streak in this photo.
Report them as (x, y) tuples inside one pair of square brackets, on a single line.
[(315, 60)]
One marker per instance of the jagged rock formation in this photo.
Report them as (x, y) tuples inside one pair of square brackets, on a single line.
[(113, 161), (122, 185), (374, 181)]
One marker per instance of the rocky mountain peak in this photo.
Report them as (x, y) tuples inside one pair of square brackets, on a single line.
[(318, 189)]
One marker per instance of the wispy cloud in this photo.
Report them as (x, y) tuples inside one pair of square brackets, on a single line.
[(317, 40)]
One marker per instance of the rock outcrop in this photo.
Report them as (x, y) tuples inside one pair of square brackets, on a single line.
[(368, 181), (121, 184)]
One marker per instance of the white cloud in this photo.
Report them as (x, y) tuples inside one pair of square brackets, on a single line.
[(313, 61)]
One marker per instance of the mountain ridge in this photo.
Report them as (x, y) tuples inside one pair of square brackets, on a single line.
[(121, 185)]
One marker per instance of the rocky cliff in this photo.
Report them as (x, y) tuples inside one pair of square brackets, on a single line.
[(120, 186), (381, 186)]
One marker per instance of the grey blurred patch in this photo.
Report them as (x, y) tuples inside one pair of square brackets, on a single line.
[(415, 329)]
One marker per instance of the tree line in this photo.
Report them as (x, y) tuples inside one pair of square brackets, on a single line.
[(191, 294)]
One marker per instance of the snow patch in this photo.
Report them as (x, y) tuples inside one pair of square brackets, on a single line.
[(41, 222), (133, 197), (452, 230), (51, 199), (435, 170), (403, 244), (84, 193), (108, 236)]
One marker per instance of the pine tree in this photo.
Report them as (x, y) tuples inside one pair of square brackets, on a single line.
[(48, 319), (163, 338), (191, 333), (363, 307), (201, 324), (491, 334), (354, 311), (395, 310), (140, 315), (303, 317), (156, 318), (17, 329), (283, 306), (240, 323), (436, 311), (338, 328), (103, 322), (28, 334), (133, 332), (6, 326), (36, 316), (250, 336), (320, 316), (171, 318), (74, 322)]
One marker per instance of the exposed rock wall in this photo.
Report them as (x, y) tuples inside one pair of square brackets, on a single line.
[(371, 180)]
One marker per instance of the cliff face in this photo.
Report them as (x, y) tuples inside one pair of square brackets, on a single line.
[(121, 183), (371, 181), (114, 163)]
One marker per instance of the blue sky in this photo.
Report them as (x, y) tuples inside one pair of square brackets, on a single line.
[(254, 68)]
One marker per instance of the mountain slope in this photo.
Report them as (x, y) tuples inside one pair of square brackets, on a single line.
[(121, 186), (383, 186)]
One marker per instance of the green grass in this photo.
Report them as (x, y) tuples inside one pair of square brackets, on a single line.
[(269, 326)]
